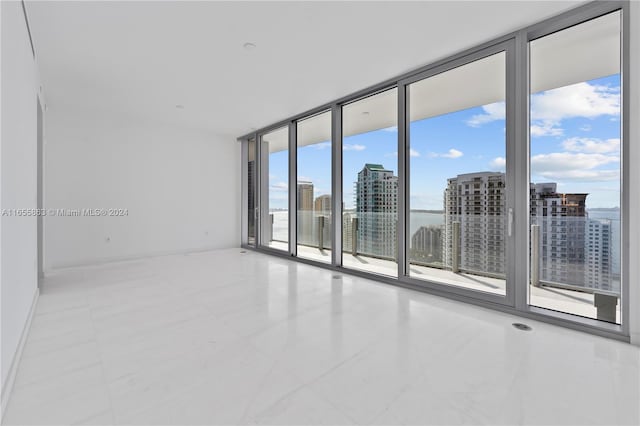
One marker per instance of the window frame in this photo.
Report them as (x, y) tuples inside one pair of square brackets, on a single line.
[(508, 47), (517, 98)]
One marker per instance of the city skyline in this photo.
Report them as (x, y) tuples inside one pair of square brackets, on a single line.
[(575, 146), (573, 248)]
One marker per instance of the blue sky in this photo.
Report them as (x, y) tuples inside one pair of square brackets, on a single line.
[(575, 141)]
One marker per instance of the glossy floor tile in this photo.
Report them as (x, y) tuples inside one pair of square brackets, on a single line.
[(226, 337)]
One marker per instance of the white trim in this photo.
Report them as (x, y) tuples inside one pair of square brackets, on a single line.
[(634, 174), (15, 362)]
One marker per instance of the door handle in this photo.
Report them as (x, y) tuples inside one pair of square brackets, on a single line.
[(510, 221)]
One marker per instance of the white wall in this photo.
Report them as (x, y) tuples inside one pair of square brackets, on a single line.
[(18, 235), (634, 170), (180, 187)]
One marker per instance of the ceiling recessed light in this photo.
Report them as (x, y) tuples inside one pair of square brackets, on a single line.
[(249, 46), (180, 106)]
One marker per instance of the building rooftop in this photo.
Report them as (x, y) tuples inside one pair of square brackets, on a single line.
[(377, 167)]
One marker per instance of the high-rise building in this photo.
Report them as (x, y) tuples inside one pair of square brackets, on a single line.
[(322, 219), (477, 202), (322, 204), (305, 195), (427, 245), (347, 231), (376, 193), (305, 213), (562, 220), (573, 249), (598, 247)]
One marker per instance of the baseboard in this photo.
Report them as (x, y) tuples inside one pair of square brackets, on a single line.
[(15, 362), (113, 259)]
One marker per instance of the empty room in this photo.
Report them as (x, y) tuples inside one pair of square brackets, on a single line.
[(320, 212)]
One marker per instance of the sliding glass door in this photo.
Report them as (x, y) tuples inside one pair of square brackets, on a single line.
[(575, 164), (459, 191), (274, 189), (370, 184), (313, 187)]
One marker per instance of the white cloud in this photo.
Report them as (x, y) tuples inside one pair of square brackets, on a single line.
[(546, 128), (576, 100), (492, 112), (353, 147), (498, 164), (322, 145), (391, 129), (586, 128), (549, 108), (412, 153), (557, 161), (452, 153), (573, 166), (583, 175), (280, 186), (592, 145)]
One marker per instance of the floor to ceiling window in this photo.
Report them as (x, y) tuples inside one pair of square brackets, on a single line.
[(251, 192), (458, 186), (370, 184), (313, 188), (499, 195), (575, 170), (274, 171)]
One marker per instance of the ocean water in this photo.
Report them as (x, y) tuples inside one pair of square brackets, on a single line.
[(416, 220)]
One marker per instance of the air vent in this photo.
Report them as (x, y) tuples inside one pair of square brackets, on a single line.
[(520, 326)]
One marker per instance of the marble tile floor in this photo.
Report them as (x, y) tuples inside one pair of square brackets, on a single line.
[(225, 337)]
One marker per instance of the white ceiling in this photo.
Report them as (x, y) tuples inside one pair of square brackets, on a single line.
[(580, 53), (141, 59)]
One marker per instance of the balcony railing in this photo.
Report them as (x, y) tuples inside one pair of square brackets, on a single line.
[(569, 260), (474, 246)]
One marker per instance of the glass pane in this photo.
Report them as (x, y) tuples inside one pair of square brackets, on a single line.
[(370, 184), (575, 170), (251, 191), (275, 189), (457, 220), (314, 187)]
